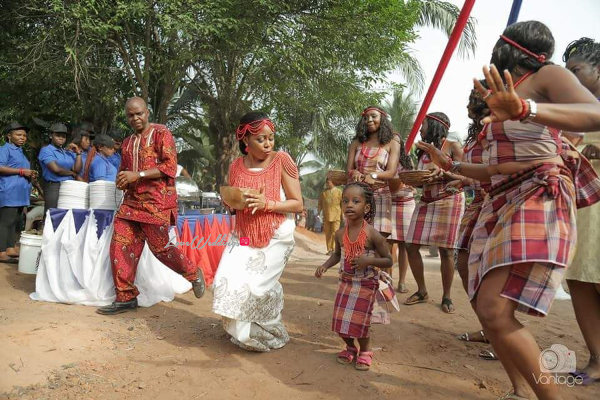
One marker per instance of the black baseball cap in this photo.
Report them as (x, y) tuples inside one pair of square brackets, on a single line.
[(59, 127), (116, 134), (88, 127), (78, 133), (104, 140), (13, 126)]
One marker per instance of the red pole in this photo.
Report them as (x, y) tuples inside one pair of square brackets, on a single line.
[(462, 20)]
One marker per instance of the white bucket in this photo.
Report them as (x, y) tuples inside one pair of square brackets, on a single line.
[(29, 255)]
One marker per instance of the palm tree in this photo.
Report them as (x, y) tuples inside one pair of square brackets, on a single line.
[(402, 109), (329, 143), (440, 15), (312, 184)]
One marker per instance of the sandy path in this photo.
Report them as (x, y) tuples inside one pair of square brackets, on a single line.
[(178, 350)]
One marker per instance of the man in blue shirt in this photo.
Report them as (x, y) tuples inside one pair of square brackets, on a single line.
[(101, 169), (15, 188), (57, 164)]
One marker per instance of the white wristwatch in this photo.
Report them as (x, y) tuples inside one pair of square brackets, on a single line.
[(532, 111), (374, 176), (455, 167), (142, 174)]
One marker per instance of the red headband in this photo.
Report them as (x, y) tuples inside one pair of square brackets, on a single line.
[(374, 109), (253, 127), (438, 120), (540, 57)]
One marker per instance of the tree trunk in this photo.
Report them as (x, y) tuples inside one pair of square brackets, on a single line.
[(226, 148), (223, 115), (161, 112)]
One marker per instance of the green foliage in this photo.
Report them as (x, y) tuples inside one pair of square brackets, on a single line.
[(202, 64), (313, 184), (442, 15), (402, 110)]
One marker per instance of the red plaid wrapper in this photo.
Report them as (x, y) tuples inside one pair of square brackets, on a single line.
[(374, 160), (586, 180), (529, 217), (353, 306), (468, 222), (533, 287), (402, 211), (437, 223)]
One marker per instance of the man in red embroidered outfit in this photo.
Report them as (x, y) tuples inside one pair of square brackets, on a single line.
[(147, 173)]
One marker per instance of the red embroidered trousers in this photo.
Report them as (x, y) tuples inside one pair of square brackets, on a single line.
[(126, 248)]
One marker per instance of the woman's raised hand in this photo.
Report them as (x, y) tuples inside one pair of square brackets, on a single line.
[(504, 103)]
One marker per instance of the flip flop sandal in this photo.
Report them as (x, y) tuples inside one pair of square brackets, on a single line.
[(488, 355), (466, 338), (10, 260), (364, 360), (402, 288), (416, 298), (511, 396), (347, 356), (586, 379), (448, 302)]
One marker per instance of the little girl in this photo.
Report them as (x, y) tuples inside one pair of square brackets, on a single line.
[(363, 252)]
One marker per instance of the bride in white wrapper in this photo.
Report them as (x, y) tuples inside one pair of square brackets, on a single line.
[(247, 292)]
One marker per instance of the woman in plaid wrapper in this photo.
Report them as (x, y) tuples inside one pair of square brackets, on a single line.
[(436, 219), (373, 158), (473, 154), (403, 206), (363, 252), (526, 233), (583, 276)]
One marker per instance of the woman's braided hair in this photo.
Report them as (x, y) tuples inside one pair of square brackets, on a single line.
[(478, 106), (405, 159), (436, 131), (584, 49)]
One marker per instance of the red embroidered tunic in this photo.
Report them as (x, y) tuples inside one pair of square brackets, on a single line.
[(151, 201)]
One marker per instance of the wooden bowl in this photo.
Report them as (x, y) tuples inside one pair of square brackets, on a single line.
[(338, 177), (395, 184), (235, 197), (414, 178)]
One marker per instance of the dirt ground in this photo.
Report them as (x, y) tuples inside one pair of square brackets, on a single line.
[(179, 350)]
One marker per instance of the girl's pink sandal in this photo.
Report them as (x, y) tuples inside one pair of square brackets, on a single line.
[(364, 360), (347, 356)]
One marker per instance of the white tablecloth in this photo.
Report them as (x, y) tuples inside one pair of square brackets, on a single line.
[(75, 268)]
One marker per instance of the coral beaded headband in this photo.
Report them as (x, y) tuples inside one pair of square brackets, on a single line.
[(374, 109), (253, 127), (540, 57), (438, 120)]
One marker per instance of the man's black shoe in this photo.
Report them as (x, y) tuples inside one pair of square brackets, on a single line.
[(118, 307), (199, 285)]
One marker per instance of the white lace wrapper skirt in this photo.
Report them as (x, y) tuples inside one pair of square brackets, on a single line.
[(247, 292)]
